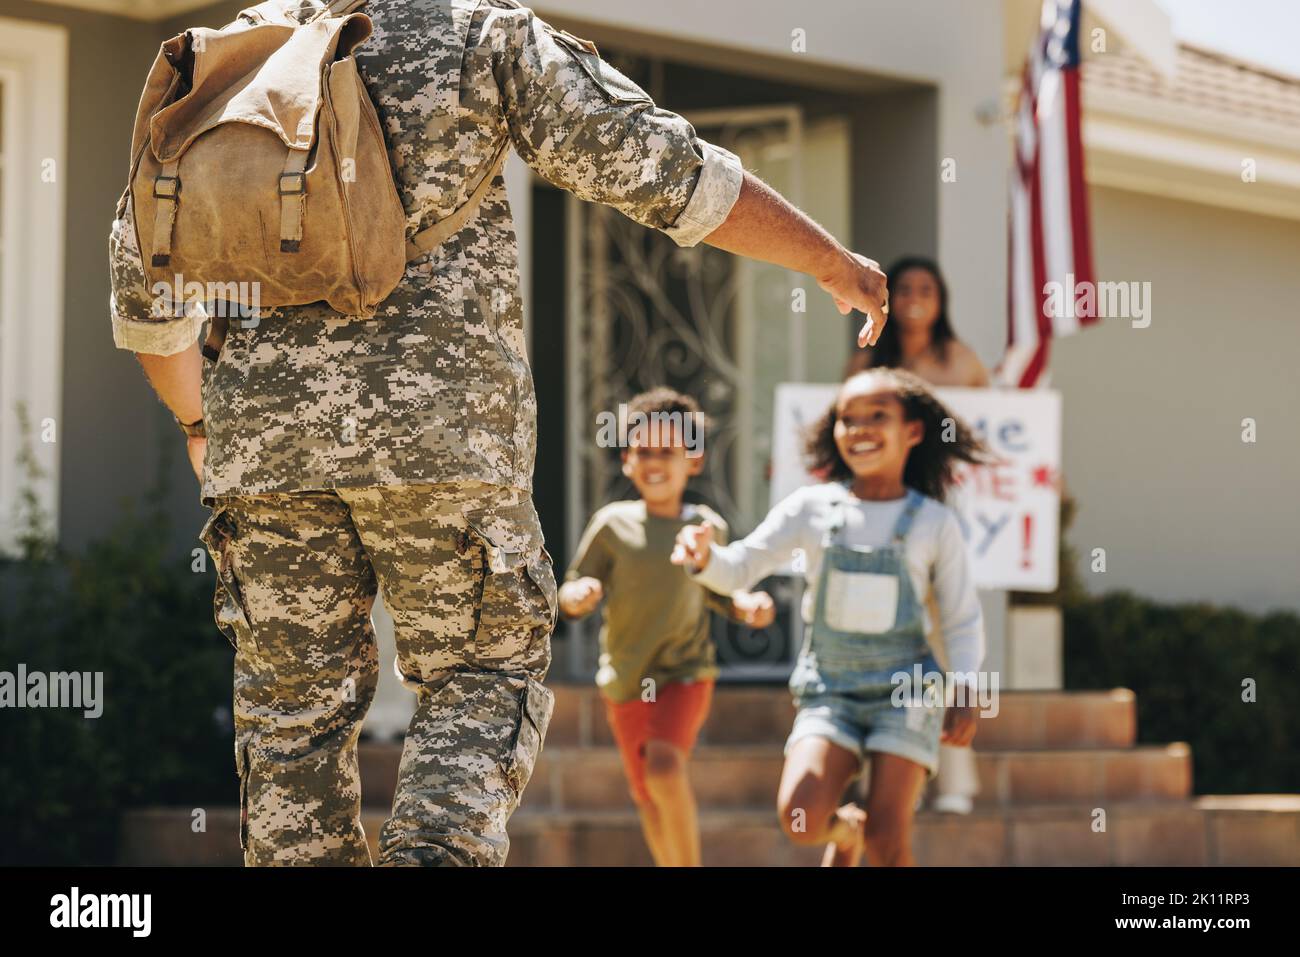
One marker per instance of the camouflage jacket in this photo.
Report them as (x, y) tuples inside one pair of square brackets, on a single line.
[(437, 386)]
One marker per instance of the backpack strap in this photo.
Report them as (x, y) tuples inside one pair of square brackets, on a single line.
[(217, 328), (167, 190), (293, 200), (429, 239)]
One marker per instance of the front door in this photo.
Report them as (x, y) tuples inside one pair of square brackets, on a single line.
[(643, 312)]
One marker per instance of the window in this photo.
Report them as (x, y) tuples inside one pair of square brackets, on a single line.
[(33, 128)]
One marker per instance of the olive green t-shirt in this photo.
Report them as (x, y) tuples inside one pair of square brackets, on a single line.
[(656, 622)]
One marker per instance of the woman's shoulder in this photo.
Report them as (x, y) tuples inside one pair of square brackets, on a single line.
[(966, 365)]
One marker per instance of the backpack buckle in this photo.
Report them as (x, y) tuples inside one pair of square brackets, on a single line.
[(175, 187), (302, 184)]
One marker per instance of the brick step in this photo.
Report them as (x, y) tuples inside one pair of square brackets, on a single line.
[(1238, 830), (746, 776), (762, 715)]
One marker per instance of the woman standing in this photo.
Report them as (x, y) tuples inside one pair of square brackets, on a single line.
[(919, 336)]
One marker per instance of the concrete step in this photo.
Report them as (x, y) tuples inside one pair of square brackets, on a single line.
[(762, 715), (747, 776), (1239, 830), (1177, 834)]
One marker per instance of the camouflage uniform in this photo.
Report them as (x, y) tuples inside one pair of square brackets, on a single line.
[(346, 453)]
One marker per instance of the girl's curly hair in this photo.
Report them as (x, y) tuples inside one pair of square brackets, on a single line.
[(929, 467)]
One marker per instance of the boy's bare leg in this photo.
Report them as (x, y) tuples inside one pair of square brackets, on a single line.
[(670, 789), (652, 830)]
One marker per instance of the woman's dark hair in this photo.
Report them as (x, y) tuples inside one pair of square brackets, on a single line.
[(887, 350), (929, 467)]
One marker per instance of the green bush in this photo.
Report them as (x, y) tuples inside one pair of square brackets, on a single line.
[(128, 607), (1187, 664)]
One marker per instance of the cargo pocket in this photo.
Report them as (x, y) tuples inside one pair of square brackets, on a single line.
[(517, 605), (534, 718), (609, 112), (613, 83), (228, 601), (241, 768)]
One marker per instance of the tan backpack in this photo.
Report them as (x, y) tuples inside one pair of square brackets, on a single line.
[(258, 159)]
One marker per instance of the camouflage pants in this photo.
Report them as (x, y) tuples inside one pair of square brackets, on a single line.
[(473, 598)]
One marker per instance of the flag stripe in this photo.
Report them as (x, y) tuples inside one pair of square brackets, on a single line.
[(1078, 193), (1057, 234), (1049, 239)]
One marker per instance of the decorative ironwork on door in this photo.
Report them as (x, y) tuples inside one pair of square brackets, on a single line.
[(644, 312)]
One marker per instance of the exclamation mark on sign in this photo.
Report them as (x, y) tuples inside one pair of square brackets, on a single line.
[(1025, 561)]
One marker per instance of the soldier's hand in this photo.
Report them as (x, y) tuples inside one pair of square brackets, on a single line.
[(580, 596), (692, 547), (197, 447), (755, 608), (858, 283)]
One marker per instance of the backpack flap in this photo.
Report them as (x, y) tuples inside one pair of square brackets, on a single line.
[(162, 87), (268, 76), (297, 12)]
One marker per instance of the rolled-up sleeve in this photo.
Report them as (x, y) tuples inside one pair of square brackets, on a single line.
[(715, 193), (141, 321), (587, 128)]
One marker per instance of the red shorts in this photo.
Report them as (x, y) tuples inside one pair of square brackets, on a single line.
[(676, 716)]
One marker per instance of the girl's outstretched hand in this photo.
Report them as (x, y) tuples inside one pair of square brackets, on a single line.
[(755, 609), (692, 546), (580, 596)]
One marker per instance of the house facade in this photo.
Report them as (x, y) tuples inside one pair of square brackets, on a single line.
[(886, 121)]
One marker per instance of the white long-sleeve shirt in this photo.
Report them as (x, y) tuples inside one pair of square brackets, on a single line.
[(936, 556)]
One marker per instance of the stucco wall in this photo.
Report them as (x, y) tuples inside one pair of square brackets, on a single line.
[(1153, 444), (110, 417)]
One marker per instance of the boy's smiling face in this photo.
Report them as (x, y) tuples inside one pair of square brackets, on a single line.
[(872, 432), (656, 462)]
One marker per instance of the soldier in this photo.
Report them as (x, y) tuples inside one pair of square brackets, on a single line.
[(338, 454)]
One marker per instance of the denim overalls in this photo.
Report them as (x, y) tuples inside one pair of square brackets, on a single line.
[(868, 626)]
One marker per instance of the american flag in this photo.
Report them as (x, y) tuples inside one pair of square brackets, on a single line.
[(1047, 238)]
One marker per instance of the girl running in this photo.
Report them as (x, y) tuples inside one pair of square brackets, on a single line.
[(875, 538)]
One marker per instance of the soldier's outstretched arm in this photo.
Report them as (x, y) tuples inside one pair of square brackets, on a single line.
[(587, 128), (764, 225)]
